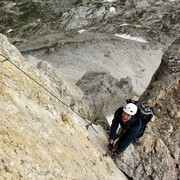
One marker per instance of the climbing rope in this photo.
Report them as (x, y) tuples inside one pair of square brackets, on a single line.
[(89, 123)]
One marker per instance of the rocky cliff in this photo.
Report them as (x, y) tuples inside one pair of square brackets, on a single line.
[(159, 155), (41, 136)]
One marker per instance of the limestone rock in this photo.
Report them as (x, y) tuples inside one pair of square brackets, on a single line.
[(40, 137)]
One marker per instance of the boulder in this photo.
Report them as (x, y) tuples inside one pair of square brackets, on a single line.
[(104, 93)]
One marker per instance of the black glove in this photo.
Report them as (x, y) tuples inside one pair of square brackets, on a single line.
[(110, 147)]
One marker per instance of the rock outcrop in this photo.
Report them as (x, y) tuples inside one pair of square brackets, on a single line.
[(104, 93), (40, 137), (159, 155)]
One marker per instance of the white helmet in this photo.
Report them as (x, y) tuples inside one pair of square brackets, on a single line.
[(130, 108)]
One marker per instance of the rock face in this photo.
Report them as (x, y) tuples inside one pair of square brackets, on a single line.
[(43, 138), (159, 154), (40, 137)]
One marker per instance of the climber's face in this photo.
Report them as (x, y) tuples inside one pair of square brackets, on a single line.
[(126, 117)]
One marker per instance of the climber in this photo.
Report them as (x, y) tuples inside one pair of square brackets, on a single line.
[(145, 114), (130, 128)]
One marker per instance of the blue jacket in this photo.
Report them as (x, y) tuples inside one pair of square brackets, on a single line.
[(131, 130)]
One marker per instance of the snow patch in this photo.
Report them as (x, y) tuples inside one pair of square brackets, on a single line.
[(109, 0), (124, 24), (10, 30), (125, 36), (112, 10), (81, 31)]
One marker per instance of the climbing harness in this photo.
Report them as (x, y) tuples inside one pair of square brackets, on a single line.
[(85, 119)]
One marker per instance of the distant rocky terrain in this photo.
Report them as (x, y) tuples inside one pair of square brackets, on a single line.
[(27, 20)]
